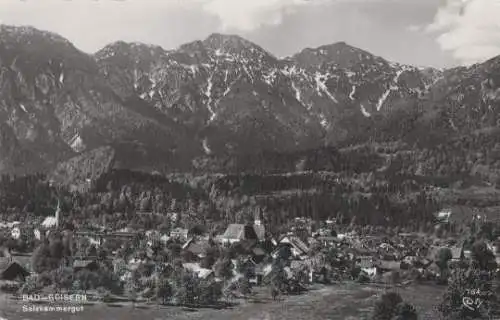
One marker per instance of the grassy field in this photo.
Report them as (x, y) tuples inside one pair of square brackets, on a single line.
[(346, 301)]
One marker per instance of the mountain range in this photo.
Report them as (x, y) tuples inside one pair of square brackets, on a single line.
[(141, 107)]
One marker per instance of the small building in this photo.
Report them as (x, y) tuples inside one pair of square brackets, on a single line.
[(12, 270), (457, 253), (456, 215), (179, 233), (88, 264)]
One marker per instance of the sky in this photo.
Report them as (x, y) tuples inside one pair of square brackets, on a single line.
[(438, 33)]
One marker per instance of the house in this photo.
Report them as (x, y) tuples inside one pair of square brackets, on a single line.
[(365, 263), (456, 215), (9, 225), (12, 270), (196, 247), (383, 266), (202, 273), (305, 267), (49, 222), (299, 249), (262, 270), (328, 240), (88, 264), (249, 268), (179, 233), (238, 232), (258, 254), (457, 253)]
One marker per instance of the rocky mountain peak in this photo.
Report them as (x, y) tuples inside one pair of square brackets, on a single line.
[(28, 35), (340, 55)]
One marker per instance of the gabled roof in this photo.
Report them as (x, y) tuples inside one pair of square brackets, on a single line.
[(199, 271), (456, 252), (365, 262), (260, 230), (197, 247), (258, 251), (388, 265), (296, 243), (7, 263), (49, 222), (241, 232), (298, 264)]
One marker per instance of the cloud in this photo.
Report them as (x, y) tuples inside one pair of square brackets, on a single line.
[(470, 29), (247, 15)]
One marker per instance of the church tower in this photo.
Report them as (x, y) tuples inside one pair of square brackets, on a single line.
[(258, 218), (58, 212)]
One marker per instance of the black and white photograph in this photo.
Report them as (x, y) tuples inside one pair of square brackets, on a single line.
[(250, 159)]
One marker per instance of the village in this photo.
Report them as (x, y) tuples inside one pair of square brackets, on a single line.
[(195, 267)]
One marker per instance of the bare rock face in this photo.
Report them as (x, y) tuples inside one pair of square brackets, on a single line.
[(57, 104)]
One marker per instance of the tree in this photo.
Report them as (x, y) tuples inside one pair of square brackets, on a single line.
[(165, 290), (62, 278), (482, 257), (278, 276), (210, 292), (56, 249), (41, 258), (87, 279), (472, 293), (405, 311), (386, 306), (443, 257)]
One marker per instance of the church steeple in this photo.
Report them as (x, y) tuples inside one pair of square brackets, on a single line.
[(58, 212), (258, 217)]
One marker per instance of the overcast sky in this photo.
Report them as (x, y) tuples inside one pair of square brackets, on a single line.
[(421, 32)]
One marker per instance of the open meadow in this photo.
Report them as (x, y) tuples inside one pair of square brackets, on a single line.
[(345, 301)]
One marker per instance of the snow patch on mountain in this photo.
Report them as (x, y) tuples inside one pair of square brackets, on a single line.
[(205, 146), (23, 107), (245, 68), (76, 143), (392, 87), (297, 93), (324, 123), (350, 74), (208, 94), (136, 79), (353, 91), (270, 78), (365, 112), (452, 124), (321, 87)]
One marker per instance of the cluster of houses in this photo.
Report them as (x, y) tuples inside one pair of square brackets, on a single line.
[(377, 257)]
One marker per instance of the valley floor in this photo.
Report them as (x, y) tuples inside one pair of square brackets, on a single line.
[(345, 301)]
